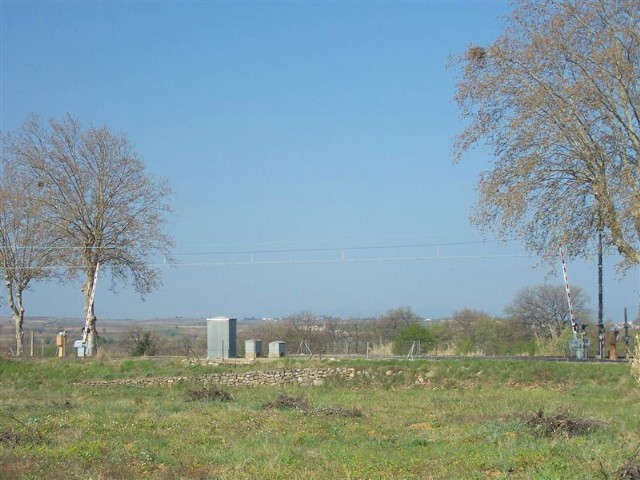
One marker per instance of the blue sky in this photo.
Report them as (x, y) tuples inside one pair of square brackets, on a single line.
[(309, 145)]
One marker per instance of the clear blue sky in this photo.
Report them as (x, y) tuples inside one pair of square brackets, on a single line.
[(295, 134)]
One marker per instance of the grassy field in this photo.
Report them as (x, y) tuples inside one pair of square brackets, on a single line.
[(448, 419)]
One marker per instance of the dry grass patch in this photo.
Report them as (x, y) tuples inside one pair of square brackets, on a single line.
[(302, 404)]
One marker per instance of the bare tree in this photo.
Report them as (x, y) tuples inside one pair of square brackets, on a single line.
[(353, 331), (470, 325), (100, 201), (26, 253), (557, 98), (333, 328), (544, 308), (307, 327)]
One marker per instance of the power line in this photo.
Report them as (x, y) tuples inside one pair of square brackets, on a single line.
[(276, 250), (339, 249), (349, 260), (344, 259)]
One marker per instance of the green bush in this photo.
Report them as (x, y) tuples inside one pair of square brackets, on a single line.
[(411, 334)]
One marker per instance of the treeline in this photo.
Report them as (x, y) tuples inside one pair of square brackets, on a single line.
[(402, 332), (397, 332), (536, 322)]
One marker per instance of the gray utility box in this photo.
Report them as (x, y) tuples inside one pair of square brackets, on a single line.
[(276, 349), (221, 337), (81, 348), (253, 349)]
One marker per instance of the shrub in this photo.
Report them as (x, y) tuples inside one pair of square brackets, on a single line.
[(212, 394), (560, 423)]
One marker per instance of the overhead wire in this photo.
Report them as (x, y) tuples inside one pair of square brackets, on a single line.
[(343, 258)]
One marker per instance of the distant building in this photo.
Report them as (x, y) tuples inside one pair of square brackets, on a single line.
[(253, 349), (276, 349), (221, 337)]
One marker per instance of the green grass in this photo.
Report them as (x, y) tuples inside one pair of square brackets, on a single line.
[(420, 419)]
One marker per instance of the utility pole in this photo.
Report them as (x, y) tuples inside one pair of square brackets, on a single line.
[(626, 331), (600, 307)]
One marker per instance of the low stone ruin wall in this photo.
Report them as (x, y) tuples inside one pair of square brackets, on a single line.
[(298, 376)]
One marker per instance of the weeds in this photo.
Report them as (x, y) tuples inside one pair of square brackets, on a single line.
[(14, 437), (212, 394), (560, 423), (631, 469), (286, 402), (300, 403), (59, 428)]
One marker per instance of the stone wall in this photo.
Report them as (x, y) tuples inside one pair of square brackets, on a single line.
[(298, 376)]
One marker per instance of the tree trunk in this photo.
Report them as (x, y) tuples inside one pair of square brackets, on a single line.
[(92, 336), (19, 320), (17, 312)]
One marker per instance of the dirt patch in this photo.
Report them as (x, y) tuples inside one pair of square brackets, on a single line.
[(13, 438), (9, 437), (560, 423)]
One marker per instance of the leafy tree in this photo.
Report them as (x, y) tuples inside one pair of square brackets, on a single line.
[(139, 342), (487, 335), (515, 338), (26, 246), (544, 308), (444, 334), (99, 200), (389, 324), (557, 99), (413, 333)]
